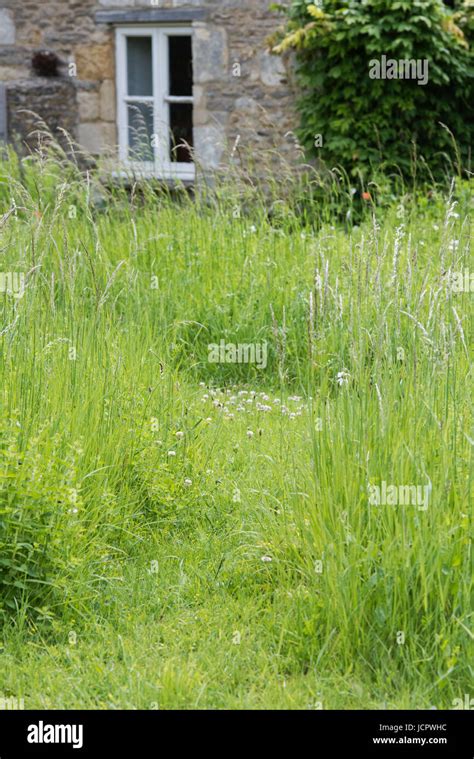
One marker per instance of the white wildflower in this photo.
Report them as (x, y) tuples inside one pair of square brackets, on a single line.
[(343, 378)]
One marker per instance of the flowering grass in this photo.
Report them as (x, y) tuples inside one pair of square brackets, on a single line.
[(177, 533)]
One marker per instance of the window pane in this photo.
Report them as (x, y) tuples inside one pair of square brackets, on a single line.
[(180, 66), (139, 66), (181, 126), (140, 131)]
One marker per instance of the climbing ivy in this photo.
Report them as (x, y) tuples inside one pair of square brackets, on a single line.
[(359, 122)]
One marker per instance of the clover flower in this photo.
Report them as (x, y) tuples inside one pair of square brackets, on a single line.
[(343, 378)]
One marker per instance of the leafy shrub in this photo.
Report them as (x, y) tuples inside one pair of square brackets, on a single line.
[(385, 123), (39, 503)]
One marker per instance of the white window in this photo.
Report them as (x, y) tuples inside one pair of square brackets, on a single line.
[(155, 100)]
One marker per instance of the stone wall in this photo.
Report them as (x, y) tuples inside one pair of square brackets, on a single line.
[(52, 100), (240, 89)]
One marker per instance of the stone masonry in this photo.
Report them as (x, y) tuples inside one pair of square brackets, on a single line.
[(239, 87)]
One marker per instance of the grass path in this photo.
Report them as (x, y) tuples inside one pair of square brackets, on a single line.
[(179, 533)]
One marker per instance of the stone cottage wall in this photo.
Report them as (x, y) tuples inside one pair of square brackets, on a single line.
[(240, 89)]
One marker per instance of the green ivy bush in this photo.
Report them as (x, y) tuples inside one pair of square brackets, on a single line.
[(393, 125)]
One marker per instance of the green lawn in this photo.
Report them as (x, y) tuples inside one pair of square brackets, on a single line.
[(250, 569)]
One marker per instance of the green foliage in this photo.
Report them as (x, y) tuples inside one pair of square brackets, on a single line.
[(388, 124), (207, 495), (39, 503)]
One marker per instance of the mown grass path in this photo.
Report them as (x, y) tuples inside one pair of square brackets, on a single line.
[(180, 533)]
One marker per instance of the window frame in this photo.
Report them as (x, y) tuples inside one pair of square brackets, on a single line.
[(161, 167)]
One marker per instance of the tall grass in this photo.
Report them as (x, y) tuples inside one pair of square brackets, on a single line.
[(248, 569)]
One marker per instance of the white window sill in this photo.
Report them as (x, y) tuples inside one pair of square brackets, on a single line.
[(183, 173)]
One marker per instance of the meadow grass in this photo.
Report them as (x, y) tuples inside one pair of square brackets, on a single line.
[(177, 533)]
